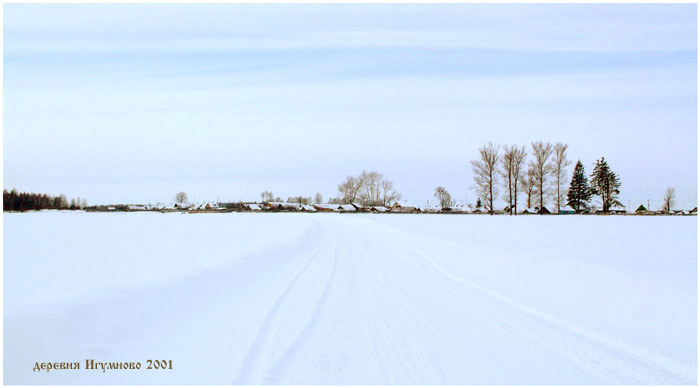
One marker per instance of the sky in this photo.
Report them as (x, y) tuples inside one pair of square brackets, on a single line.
[(132, 103)]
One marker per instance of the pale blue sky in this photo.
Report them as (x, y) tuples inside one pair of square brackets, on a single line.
[(132, 103)]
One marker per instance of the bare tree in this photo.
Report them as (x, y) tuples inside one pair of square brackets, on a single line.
[(368, 188), (349, 189), (519, 155), (443, 196), (181, 197), (318, 198), (559, 164), (389, 195), (300, 199), (267, 196), (541, 152), (511, 162), (371, 185), (528, 183), (62, 201), (486, 172), (669, 200), (507, 174)]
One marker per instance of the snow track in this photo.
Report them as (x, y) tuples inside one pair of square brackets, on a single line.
[(360, 299)]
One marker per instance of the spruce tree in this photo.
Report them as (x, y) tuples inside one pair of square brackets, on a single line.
[(579, 191), (606, 184)]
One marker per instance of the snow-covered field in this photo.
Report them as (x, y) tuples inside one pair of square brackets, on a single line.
[(351, 299)]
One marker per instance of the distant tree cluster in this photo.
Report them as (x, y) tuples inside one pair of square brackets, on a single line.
[(443, 197), (544, 178), (267, 196), (301, 200), (14, 201), (369, 189)]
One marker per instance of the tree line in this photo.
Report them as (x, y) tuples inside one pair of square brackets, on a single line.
[(367, 188), (15, 201), (542, 178)]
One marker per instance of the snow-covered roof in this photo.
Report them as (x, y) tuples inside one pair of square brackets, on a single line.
[(253, 206), (284, 205), (308, 208), (380, 209), (529, 210), (347, 208), (326, 206)]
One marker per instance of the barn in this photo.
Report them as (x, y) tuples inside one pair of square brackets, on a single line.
[(325, 207), (397, 208), (347, 208)]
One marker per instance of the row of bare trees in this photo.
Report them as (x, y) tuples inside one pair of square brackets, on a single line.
[(494, 170), (367, 188)]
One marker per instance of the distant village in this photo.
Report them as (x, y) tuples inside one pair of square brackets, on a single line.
[(396, 208), (498, 169)]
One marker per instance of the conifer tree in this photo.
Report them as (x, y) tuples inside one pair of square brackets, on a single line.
[(579, 191), (606, 184)]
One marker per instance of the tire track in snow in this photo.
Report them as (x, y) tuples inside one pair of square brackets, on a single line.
[(279, 367), (393, 297), (251, 367), (380, 333), (636, 364), (430, 333)]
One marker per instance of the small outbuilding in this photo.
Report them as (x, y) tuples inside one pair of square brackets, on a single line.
[(252, 207), (397, 208), (325, 207), (359, 207), (567, 210), (346, 208), (281, 206), (543, 210), (617, 210)]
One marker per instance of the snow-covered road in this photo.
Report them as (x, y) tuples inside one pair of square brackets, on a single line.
[(352, 299)]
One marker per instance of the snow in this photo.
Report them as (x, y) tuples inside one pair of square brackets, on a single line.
[(327, 298)]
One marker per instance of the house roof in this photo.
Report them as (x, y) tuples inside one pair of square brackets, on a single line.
[(325, 206), (347, 208), (284, 205)]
